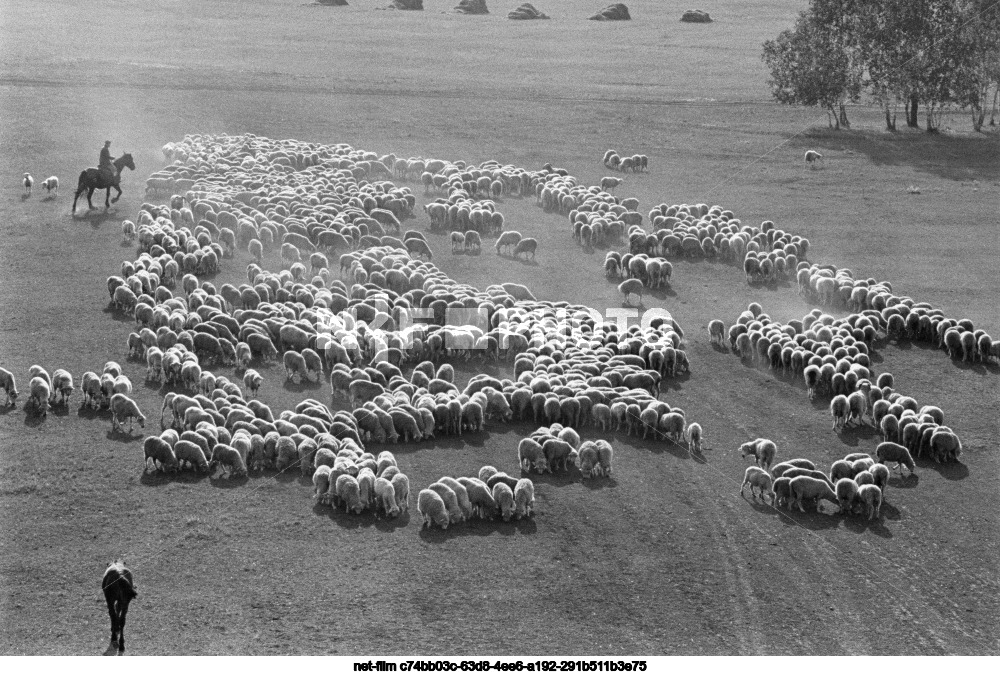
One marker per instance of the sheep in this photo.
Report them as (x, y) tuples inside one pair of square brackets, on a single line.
[(62, 382), (252, 381), (857, 406), (455, 512), (530, 456), (508, 240), (464, 504), (457, 241), (321, 483), (806, 487), (432, 508), (778, 470), (758, 478), (605, 455), (716, 331), (418, 248), (893, 452), (880, 476), (945, 444), (122, 408), (839, 410), (40, 393), (243, 355), (27, 182), (782, 488), (401, 488), (349, 493), (385, 497), (230, 458), (812, 157), (693, 435), (9, 386), (871, 497), (526, 246), (189, 452), (38, 371), (609, 183), (158, 450), (524, 498), (473, 241), (504, 497), (588, 459), (847, 494), (631, 287), (51, 183), (762, 449)]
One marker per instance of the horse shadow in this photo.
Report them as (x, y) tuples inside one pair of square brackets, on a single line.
[(96, 219)]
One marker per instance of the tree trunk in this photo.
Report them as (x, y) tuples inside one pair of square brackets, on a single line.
[(930, 119), (978, 114), (831, 117), (911, 112), (890, 122), (843, 117), (993, 114)]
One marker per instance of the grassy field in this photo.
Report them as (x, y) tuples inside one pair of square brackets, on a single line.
[(665, 558)]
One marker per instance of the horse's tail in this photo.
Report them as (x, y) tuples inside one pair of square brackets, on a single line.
[(82, 182)]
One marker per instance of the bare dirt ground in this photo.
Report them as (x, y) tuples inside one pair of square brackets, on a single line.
[(666, 557)]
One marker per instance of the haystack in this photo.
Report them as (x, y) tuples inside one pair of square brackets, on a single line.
[(525, 12), (696, 16), (615, 12), (472, 7)]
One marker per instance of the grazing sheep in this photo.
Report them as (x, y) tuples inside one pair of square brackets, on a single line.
[(401, 488), (455, 512), (716, 330), (782, 491), (229, 458), (473, 241), (880, 475), (778, 470), (385, 497), (530, 456), (526, 246), (605, 455), (847, 494), (631, 287), (812, 157), (62, 382), (348, 492), (806, 487), (762, 449), (760, 479), (588, 459), (432, 508), (508, 240), (839, 409), (27, 182), (40, 392), (944, 444), (457, 241), (51, 183), (464, 504), (893, 452), (524, 498), (504, 497), (122, 408), (158, 450), (9, 386), (693, 435), (871, 497), (189, 452)]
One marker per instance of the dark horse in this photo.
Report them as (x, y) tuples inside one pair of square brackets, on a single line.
[(118, 591), (91, 179)]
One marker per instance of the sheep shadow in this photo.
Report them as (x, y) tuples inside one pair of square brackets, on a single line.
[(662, 293), (49, 198), (7, 408), (25, 196), (852, 436), (88, 413), (386, 524), (757, 504), (902, 482), (60, 409), (228, 481), (304, 385), (32, 418), (561, 479), (155, 477), (598, 482), (122, 436), (719, 348), (813, 519), (949, 471), (345, 520), (525, 261), (117, 314)]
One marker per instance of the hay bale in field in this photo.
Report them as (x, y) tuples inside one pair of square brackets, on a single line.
[(472, 7), (526, 11), (696, 16), (615, 12), (407, 4)]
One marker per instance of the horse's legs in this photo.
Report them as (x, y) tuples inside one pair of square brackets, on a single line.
[(114, 617), (118, 196), (90, 193), (107, 199), (121, 626)]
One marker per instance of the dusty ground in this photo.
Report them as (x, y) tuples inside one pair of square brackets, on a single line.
[(666, 558)]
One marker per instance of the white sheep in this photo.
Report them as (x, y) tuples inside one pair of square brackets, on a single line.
[(605, 456), (693, 435), (62, 383), (455, 512), (893, 452), (9, 386), (51, 183), (385, 496), (504, 497), (158, 450), (122, 408), (760, 479), (857, 406), (432, 508), (507, 240), (716, 330), (90, 385), (846, 490), (807, 487), (252, 381), (762, 449), (27, 182), (40, 393), (473, 241), (839, 409), (871, 497), (38, 371), (230, 458), (812, 157), (524, 498), (631, 287)]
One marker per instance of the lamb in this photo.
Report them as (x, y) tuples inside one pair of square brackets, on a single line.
[(252, 381), (62, 382), (893, 452), (9, 386), (693, 435), (432, 508), (631, 287), (159, 450), (504, 497), (385, 496), (230, 458), (526, 246), (122, 408), (762, 449), (847, 494), (27, 182), (40, 393), (51, 183), (524, 498), (508, 240), (871, 497), (806, 487), (760, 479), (812, 157), (839, 409), (716, 330)]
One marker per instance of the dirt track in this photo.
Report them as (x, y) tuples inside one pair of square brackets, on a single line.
[(665, 558)]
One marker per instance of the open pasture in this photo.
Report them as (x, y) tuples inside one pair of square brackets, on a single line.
[(664, 557)]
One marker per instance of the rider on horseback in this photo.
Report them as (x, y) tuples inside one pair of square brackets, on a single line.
[(105, 164)]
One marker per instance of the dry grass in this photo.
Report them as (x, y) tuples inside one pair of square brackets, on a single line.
[(664, 558)]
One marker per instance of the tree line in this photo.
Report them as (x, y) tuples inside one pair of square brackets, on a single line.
[(909, 54)]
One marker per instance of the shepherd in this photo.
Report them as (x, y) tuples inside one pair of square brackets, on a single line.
[(105, 164), (119, 591)]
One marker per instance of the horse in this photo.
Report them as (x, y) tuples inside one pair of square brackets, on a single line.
[(92, 179), (118, 591)]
